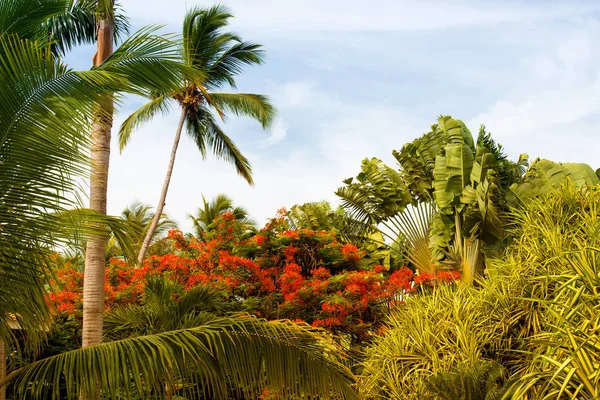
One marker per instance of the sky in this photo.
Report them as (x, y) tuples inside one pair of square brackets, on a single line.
[(355, 79)]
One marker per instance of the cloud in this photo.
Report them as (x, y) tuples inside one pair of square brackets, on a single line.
[(553, 109), (278, 133), (281, 17)]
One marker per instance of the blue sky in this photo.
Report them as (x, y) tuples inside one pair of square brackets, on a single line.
[(355, 79)]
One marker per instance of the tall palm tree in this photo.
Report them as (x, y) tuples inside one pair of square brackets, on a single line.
[(93, 279), (220, 57), (45, 109), (210, 210), (139, 65)]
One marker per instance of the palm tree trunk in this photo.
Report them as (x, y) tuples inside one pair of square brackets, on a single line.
[(95, 257), (165, 189), (2, 369)]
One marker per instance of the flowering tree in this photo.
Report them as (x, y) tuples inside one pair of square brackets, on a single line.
[(302, 274)]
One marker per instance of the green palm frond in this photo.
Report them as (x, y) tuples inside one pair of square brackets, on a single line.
[(77, 25), (205, 131), (63, 23), (243, 353), (201, 29), (412, 228), (159, 104), (221, 54), (232, 62), (247, 104), (137, 218), (149, 64), (166, 306), (45, 111), (24, 18), (376, 193), (210, 210)]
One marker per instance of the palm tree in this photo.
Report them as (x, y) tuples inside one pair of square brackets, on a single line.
[(219, 56), (209, 211), (45, 109), (138, 217), (139, 65), (166, 306), (93, 280)]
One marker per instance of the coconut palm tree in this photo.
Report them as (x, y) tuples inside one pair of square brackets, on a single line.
[(210, 210), (93, 280), (220, 56), (45, 109)]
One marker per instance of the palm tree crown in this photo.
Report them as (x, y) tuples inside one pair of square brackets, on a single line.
[(210, 210), (220, 57)]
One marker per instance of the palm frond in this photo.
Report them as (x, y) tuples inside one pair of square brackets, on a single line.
[(45, 113), (149, 64), (243, 353), (202, 127), (77, 25), (221, 54), (24, 18), (247, 104), (145, 113), (412, 227), (232, 63), (63, 23)]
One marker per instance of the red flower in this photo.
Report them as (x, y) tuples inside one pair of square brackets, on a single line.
[(350, 252)]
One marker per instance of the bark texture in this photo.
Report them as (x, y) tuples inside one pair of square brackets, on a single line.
[(95, 257)]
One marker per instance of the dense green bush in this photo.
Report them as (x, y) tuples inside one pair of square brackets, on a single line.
[(536, 313)]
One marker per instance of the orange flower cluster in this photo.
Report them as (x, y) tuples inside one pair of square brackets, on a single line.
[(278, 273)]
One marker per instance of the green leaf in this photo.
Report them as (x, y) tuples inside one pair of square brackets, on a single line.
[(245, 354)]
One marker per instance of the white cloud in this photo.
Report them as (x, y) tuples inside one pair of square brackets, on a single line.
[(553, 110), (285, 16), (277, 133)]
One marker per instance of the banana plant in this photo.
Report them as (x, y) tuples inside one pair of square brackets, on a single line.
[(461, 177), (545, 176)]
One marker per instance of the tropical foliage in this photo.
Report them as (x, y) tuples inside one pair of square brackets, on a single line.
[(535, 314), (460, 274)]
